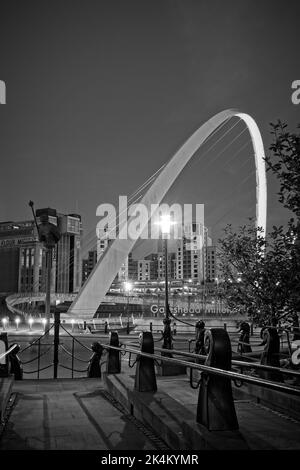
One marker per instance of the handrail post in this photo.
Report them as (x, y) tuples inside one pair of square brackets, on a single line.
[(39, 352), (199, 339), (56, 343), (73, 357), (270, 355), (244, 339), (145, 379), (215, 408), (113, 365)]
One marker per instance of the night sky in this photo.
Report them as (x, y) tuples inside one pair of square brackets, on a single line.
[(101, 93)]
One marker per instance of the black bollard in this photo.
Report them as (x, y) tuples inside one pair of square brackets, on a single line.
[(174, 329), (244, 339), (113, 365), (151, 326), (225, 326), (199, 341), (251, 329), (145, 379), (270, 355), (15, 363), (105, 327), (94, 368), (216, 409)]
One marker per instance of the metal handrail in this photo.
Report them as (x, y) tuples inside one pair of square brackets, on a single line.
[(214, 371), (8, 351), (235, 362)]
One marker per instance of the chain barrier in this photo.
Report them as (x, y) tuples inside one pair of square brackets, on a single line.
[(38, 370), (73, 355), (75, 339), (72, 369), (36, 340), (129, 359), (124, 352), (38, 356)]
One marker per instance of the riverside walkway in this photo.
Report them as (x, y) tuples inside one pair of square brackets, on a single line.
[(71, 415), (80, 414)]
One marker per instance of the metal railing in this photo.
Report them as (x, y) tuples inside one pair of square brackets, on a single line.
[(6, 353), (214, 371), (242, 365)]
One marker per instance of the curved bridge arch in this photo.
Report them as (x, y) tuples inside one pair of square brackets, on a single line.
[(103, 274)]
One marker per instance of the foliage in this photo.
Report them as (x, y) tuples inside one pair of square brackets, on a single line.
[(285, 164), (261, 276)]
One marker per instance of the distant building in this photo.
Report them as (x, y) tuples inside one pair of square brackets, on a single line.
[(103, 241), (20, 257), (211, 264), (88, 264), (132, 268), (23, 260), (68, 254), (144, 270), (190, 254)]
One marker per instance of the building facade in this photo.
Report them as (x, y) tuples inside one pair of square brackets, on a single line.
[(23, 260), (88, 264)]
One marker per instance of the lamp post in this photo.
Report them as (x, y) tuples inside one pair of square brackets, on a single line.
[(49, 235), (17, 320), (165, 224), (128, 288)]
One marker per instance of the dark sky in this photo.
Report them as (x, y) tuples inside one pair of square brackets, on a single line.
[(101, 93)]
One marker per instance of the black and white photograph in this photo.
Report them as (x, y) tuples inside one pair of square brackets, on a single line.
[(149, 232)]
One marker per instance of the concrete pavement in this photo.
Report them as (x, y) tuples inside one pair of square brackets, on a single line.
[(70, 415)]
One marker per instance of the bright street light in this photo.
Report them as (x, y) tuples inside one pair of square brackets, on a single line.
[(4, 321), (17, 320), (165, 224), (128, 286), (44, 321), (30, 321)]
